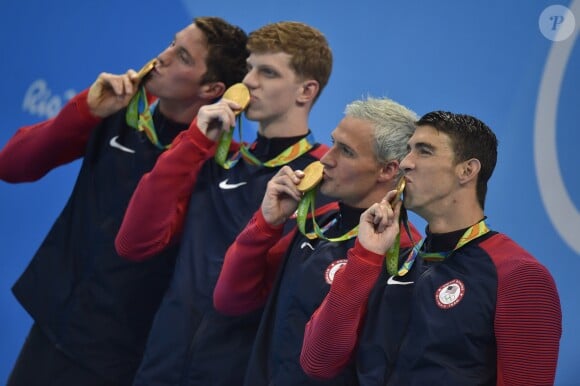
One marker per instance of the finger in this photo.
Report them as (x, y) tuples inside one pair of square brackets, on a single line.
[(231, 104), (231, 118), (390, 196), (283, 171), (133, 75), (381, 214), (222, 112), (287, 179), (377, 214), (397, 210), (127, 85), (291, 191), (297, 176), (115, 84), (386, 218), (372, 215), (294, 175), (283, 185), (367, 216)]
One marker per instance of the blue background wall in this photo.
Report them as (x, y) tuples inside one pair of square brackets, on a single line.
[(488, 59)]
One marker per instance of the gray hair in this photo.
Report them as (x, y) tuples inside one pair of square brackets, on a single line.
[(393, 125)]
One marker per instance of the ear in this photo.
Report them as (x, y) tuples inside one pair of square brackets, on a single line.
[(388, 171), (212, 90), (468, 170), (308, 91)]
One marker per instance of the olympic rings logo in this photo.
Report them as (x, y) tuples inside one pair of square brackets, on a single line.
[(564, 215)]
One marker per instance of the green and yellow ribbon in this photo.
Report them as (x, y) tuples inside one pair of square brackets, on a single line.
[(307, 205), (139, 116), (472, 233)]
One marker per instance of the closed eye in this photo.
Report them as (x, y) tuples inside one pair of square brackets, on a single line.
[(184, 56), (344, 149)]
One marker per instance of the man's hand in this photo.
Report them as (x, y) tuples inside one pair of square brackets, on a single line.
[(379, 225), (215, 118), (282, 196), (110, 93)]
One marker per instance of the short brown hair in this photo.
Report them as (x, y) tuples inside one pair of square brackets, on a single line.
[(311, 54), (227, 52)]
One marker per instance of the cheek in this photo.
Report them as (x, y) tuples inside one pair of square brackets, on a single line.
[(353, 177), (186, 78), (279, 97), (185, 83)]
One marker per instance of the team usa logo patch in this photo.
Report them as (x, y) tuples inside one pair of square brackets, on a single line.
[(332, 269), (450, 294)]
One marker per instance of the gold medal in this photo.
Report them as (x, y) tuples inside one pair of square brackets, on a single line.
[(146, 69), (400, 189), (312, 176), (240, 94)]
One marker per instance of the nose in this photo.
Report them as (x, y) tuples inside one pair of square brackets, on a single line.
[(405, 165), (164, 57), (250, 79), (327, 160)]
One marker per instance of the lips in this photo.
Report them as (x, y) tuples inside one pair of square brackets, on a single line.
[(152, 74)]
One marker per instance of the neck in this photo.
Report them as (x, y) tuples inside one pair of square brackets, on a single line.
[(350, 216), (292, 124), (378, 192), (181, 112), (457, 218)]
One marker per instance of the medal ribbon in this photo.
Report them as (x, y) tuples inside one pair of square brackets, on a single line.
[(224, 143), (306, 205), (472, 233), (289, 154), (139, 116), (392, 257)]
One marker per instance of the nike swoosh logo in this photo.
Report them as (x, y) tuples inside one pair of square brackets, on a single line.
[(113, 142), (392, 281), (306, 244), (225, 186)]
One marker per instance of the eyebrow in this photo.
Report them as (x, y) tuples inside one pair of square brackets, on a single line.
[(421, 145)]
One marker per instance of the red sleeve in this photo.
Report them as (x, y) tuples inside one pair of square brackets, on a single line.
[(528, 320), (331, 334), (36, 149), (250, 267), (157, 209)]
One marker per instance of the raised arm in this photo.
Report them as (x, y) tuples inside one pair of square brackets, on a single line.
[(331, 335), (36, 149), (250, 267), (156, 212), (157, 209), (251, 262)]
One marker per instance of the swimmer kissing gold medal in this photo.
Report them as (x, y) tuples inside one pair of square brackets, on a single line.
[(146, 69), (400, 189), (240, 94), (312, 176)]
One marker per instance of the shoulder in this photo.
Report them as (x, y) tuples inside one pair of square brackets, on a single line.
[(500, 248), (318, 150), (512, 260)]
